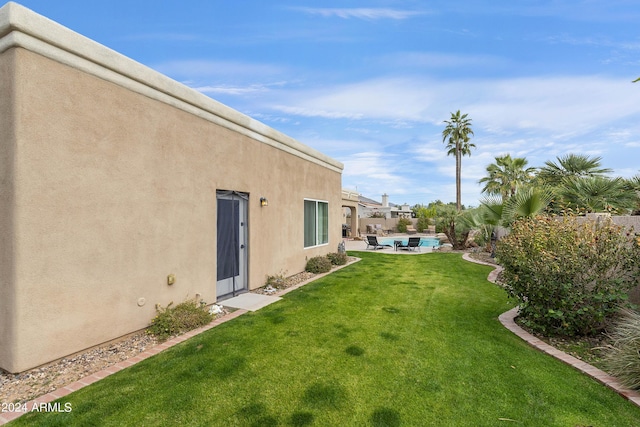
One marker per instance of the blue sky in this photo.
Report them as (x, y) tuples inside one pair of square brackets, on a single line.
[(370, 83)]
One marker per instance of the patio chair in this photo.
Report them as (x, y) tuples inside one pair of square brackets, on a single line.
[(373, 241), (414, 242), (411, 230)]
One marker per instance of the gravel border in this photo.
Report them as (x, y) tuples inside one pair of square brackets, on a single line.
[(31, 384)]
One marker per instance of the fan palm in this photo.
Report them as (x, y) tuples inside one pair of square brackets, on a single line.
[(633, 184), (506, 175), (571, 166), (457, 134), (528, 202), (598, 194)]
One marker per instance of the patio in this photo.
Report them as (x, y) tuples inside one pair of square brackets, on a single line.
[(361, 245)]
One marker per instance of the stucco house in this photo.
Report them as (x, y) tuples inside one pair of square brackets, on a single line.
[(121, 189), (368, 207)]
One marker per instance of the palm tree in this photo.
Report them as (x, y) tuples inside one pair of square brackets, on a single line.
[(506, 175), (571, 166), (633, 185), (529, 202), (457, 134), (598, 194)]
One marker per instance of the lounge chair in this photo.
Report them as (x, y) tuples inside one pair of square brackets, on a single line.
[(373, 241), (414, 242), (411, 230)]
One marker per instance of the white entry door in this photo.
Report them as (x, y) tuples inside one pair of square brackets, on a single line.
[(232, 243)]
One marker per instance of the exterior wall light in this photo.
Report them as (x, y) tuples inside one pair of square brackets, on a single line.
[(264, 201)]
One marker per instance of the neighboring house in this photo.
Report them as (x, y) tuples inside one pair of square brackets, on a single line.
[(368, 207), (121, 189)]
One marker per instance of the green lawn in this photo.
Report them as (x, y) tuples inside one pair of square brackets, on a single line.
[(391, 340)]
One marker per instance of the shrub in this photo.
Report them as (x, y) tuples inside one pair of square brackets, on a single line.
[(402, 224), (276, 280), (176, 320), (568, 278), (422, 224), (337, 258), (318, 264), (621, 358)]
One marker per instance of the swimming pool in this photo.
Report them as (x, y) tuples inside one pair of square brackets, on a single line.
[(425, 242)]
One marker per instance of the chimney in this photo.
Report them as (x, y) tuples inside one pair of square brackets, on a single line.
[(385, 200)]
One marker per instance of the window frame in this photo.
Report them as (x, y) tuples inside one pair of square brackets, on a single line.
[(317, 228)]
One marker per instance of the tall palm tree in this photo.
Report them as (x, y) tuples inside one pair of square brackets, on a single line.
[(456, 135), (571, 166), (506, 176)]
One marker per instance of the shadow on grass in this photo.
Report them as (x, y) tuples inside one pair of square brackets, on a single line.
[(385, 417), (325, 396)]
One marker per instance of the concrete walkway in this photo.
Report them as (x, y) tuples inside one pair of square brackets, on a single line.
[(249, 301)]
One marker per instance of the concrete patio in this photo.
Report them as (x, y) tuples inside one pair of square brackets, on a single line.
[(361, 245)]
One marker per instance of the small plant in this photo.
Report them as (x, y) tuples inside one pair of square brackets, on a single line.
[(318, 264), (276, 281), (338, 258), (402, 224), (621, 358), (176, 320)]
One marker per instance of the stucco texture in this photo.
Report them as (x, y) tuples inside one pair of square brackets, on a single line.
[(110, 191), (7, 141)]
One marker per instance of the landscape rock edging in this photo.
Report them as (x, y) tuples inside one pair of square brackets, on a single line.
[(508, 321)]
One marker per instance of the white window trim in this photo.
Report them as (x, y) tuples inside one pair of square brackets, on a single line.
[(316, 226)]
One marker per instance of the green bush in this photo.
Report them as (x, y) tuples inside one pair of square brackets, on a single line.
[(318, 264), (621, 358), (176, 320), (402, 224), (337, 258), (422, 224), (569, 278)]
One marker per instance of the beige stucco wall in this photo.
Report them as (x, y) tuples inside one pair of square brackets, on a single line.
[(6, 206), (115, 188)]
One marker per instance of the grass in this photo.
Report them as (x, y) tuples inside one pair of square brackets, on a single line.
[(391, 340)]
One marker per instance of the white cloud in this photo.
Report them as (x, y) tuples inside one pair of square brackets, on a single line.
[(565, 107), (432, 60), (362, 13)]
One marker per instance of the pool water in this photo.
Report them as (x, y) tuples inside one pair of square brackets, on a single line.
[(425, 242)]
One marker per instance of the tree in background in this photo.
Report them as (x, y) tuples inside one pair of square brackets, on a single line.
[(424, 215), (456, 225), (570, 166), (598, 194), (581, 185), (456, 135), (506, 176), (633, 184)]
